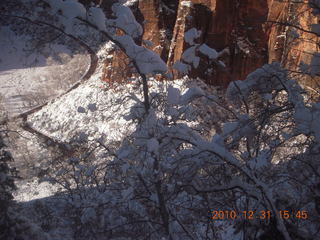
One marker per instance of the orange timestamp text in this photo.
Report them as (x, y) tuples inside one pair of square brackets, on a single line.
[(251, 215)]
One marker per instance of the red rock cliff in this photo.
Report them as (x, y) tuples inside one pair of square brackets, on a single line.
[(248, 29)]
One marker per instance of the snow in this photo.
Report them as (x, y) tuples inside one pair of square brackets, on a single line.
[(222, 64), (129, 2), (55, 5), (315, 5), (244, 45), (146, 60), (173, 95), (70, 10), (192, 94), (229, 127), (191, 35), (97, 18), (189, 56), (208, 51), (126, 20), (112, 110), (32, 189), (153, 145), (186, 4), (315, 65), (147, 43), (96, 112), (88, 215), (54, 119), (262, 78), (28, 79), (181, 67), (303, 118)]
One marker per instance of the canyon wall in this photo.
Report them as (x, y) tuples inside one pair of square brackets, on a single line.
[(249, 32)]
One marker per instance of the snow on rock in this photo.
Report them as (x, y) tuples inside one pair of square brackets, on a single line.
[(126, 20), (55, 5), (148, 43), (70, 10), (186, 4), (222, 64), (189, 56), (97, 18), (191, 35), (129, 3), (146, 60), (208, 51), (192, 94), (181, 67)]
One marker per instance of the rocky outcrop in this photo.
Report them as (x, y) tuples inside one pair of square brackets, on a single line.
[(250, 32), (158, 18)]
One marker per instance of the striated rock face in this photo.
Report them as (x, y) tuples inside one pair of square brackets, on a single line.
[(245, 29), (300, 45), (278, 12)]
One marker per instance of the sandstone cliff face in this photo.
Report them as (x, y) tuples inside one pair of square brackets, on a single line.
[(247, 29), (300, 45)]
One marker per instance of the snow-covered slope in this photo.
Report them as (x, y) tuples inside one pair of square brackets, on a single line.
[(95, 110), (29, 78)]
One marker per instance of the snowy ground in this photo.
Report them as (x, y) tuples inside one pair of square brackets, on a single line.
[(28, 79), (95, 110), (32, 190)]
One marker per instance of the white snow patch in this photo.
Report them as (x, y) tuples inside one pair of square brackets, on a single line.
[(191, 35), (208, 51), (97, 18), (191, 94), (147, 61), (126, 20), (186, 4), (181, 67), (31, 190), (189, 56), (70, 10)]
